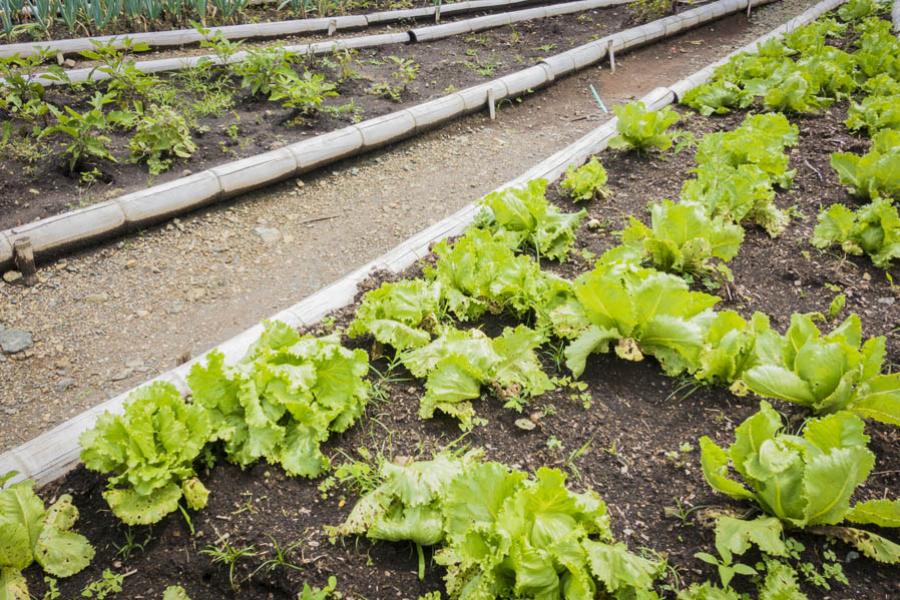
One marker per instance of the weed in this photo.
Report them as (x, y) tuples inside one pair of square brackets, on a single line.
[(228, 555)]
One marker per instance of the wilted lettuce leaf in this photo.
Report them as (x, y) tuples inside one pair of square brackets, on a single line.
[(29, 533)]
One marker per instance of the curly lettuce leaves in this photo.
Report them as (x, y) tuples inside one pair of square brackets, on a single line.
[(875, 174), (503, 534), (523, 217), (284, 399), (642, 129), (873, 230), (643, 312), (586, 182), (149, 451), (479, 273), (459, 362), (683, 239), (30, 533), (399, 314)]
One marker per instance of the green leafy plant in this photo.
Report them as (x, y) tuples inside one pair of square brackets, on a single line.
[(873, 229), (760, 141), (642, 129), (109, 584), (874, 113), (399, 314), (29, 533), (149, 450), (283, 399), (729, 348), (741, 194), (641, 311), (160, 135), (805, 480), (305, 94), (480, 273), (175, 592), (503, 534), (261, 69), (523, 216), (875, 174), (826, 373), (586, 182), (85, 131), (314, 593), (458, 362), (682, 238)]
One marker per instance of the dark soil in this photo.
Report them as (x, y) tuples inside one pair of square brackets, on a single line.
[(40, 185), (635, 415)]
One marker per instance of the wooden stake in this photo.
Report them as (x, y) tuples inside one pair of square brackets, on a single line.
[(332, 27), (492, 107), (612, 56), (23, 255), (749, 6)]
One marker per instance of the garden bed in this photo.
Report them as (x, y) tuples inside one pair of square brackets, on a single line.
[(617, 446), (38, 183)]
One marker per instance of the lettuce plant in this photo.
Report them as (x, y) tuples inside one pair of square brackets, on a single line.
[(874, 230), (283, 399), (523, 217), (760, 141), (729, 348), (503, 533), (458, 362), (643, 312), (874, 113), (641, 129), (826, 373), (150, 452), (742, 194), (875, 174), (586, 182), (805, 480), (399, 314), (480, 273), (30, 533), (718, 96), (682, 238)]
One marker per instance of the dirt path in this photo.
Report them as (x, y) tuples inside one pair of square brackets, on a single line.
[(113, 316)]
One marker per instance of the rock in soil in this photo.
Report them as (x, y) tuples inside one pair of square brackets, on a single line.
[(13, 341)]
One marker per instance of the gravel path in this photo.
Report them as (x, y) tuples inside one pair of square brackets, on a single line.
[(111, 317)]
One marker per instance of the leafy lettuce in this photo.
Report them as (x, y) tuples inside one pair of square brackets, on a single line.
[(642, 311), (642, 129), (805, 480), (586, 182), (399, 314), (874, 230), (682, 238), (149, 451), (875, 174), (458, 362), (503, 534), (826, 373), (283, 399), (523, 217), (29, 533)]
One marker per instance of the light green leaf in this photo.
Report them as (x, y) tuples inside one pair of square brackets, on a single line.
[(135, 509), (881, 512)]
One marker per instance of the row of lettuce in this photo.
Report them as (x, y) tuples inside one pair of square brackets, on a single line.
[(805, 74), (502, 532)]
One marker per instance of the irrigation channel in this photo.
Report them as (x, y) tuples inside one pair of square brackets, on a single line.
[(633, 418), (175, 195)]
